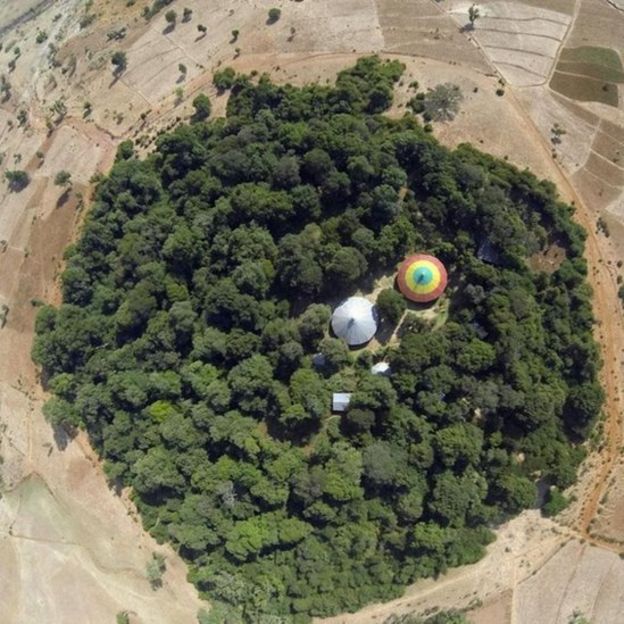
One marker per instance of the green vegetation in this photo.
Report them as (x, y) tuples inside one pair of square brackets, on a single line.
[(63, 178), (197, 295), (391, 305), (274, 15), (157, 5), (17, 179), (171, 17), (122, 618), (599, 72), (556, 502), (155, 569), (589, 74), (224, 79), (578, 618), (202, 106), (473, 15), (585, 88), (119, 61), (442, 102), (606, 57)]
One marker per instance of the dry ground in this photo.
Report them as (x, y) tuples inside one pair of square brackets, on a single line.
[(70, 550)]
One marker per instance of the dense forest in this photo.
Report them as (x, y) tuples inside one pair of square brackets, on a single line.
[(198, 294)]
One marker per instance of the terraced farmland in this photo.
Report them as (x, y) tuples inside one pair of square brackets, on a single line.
[(589, 74), (521, 40)]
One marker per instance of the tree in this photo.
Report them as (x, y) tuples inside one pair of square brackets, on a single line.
[(313, 324), (122, 618), (442, 102), (202, 29), (202, 106), (251, 383), (336, 353), (224, 79), (119, 61), (473, 14), (182, 69), (556, 502), (196, 306), (187, 14), (235, 34), (63, 178), (274, 15), (171, 17), (391, 305), (383, 463), (17, 179)]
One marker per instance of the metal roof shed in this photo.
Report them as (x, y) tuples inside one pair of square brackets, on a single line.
[(340, 401)]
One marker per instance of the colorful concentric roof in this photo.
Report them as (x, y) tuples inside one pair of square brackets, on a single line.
[(422, 278)]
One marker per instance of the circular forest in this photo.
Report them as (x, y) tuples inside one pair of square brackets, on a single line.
[(194, 344)]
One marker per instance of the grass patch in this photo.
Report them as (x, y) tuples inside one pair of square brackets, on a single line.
[(606, 57), (592, 70), (585, 89)]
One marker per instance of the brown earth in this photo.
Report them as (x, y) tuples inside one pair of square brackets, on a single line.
[(70, 550)]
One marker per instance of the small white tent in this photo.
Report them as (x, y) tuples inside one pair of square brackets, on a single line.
[(355, 321)]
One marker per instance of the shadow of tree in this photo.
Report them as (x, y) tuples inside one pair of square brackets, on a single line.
[(62, 436), (62, 200)]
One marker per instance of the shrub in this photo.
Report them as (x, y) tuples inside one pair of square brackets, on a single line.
[(274, 15), (202, 107), (119, 60), (391, 305), (224, 79), (17, 179), (556, 502)]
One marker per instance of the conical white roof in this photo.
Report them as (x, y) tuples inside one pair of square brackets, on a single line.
[(355, 321)]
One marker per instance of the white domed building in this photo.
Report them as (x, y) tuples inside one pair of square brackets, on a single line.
[(355, 321)]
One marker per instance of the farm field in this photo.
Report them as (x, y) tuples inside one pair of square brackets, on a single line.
[(522, 41), (589, 74), (585, 89)]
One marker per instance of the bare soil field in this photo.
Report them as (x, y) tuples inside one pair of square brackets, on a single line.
[(421, 28), (70, 549), (598, 23)]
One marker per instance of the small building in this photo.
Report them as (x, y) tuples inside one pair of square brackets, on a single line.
[(381, 368), (355, 321), (340, 401)]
